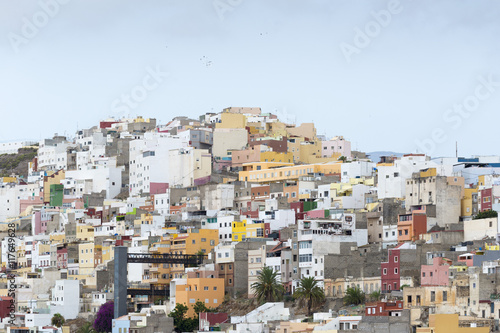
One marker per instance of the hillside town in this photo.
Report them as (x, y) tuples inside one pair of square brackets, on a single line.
[(239, 221)]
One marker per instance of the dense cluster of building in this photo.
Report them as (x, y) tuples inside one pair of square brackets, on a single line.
[(248, 191)]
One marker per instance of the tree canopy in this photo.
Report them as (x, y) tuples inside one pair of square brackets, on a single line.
[(310, 292), (268, 288), (104, 318), (354, 296)]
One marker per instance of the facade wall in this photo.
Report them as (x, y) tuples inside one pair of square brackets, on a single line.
[(481, 228), (390, 271), (436, 274), (227, 139)]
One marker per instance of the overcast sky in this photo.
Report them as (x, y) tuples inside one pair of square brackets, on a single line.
[(386, 75)]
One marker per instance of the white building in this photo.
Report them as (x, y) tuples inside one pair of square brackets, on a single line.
[(186, 165), (94, 181), (149, 160), (162, 203), (66, 298), (52, 154), (14, 146), (9, 202), (392, 177), (356, 169)]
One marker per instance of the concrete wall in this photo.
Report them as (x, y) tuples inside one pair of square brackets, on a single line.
[(481, 228)]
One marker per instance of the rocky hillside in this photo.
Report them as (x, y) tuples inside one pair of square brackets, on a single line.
[(16, 163)]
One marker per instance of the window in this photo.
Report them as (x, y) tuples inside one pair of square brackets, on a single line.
[(385, 271), (215, 288), (445, 296), (205, 288), (395, 271), (433, 296), (395, 259)]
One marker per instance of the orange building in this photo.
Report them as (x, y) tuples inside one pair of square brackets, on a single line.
[(411, 226), (210, 291), (191, 242)]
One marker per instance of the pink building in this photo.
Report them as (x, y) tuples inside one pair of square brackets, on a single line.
[(317, 213), (32, 201), (437, 273), (336, 145), (158, 188), (466, 258), (240, 157)]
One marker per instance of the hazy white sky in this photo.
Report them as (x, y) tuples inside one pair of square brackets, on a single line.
[(388, 75)]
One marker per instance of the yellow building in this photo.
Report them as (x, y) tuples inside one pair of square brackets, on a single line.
[(86, 258), (8, 180), (210, 291), (108, 252), (232, 120), (242, 230), (239, 231), (305, 130), (57, 238), (293, 327), (264, 173), (430, 172), (467, 202), (85, 232), (448, 323), (144, 219), (54, 178), (273, 156)]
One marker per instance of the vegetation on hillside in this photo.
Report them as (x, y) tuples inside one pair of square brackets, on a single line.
[(16, 163)]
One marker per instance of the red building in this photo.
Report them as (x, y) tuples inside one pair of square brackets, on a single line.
[(209, 320), (411, 226), (298, 207), (62, 257), (384, 309), (390, 277), (5, 303), (486, 200), (107, 124)]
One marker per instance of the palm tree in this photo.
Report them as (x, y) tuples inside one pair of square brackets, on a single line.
[(309, 291), (57, 320), (375, 296), (86, 328), (354, 296), (268, 288)]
